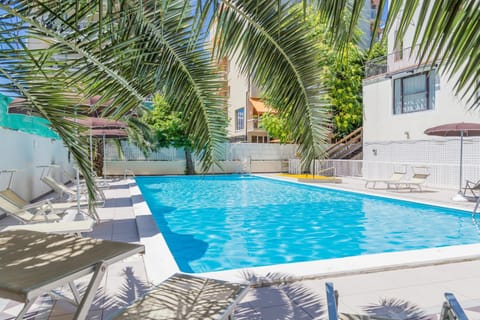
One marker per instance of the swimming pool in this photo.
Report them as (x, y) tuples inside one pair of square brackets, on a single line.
[(214, 223)]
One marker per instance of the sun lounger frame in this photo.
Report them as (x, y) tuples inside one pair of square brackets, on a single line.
[(97, 266)]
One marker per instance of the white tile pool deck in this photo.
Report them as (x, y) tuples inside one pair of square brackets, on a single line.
[(422, 286)]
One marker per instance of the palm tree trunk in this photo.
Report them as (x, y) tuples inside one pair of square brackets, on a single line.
[(98, 158), (190, 165)]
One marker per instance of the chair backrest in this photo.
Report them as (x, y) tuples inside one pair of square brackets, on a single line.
[(56, 186), (332, 297), (452, 310), (14, 198), (397, 176), (5, 203), (420, 177), (476, 185)]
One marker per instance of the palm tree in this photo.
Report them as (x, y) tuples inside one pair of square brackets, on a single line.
[(126, 50)]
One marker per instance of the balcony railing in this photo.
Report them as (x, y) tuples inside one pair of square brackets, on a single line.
[(254, 125), (375, 67), (396, 61)]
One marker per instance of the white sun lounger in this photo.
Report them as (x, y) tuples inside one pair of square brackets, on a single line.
[(62, 190), (184, 296), (417, 180), (47, 204), (62, 227), (395, 177), (25, 214), (35, 263)]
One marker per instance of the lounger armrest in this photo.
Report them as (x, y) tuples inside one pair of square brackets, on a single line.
[(34, 212), (37, 205)]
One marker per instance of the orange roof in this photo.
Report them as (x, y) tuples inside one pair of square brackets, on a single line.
[(259, 106)]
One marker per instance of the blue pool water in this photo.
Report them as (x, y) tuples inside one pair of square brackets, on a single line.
[(216, 223)]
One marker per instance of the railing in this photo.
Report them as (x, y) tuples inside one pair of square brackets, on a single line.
[(254, 124), (347, 146), (228, 152), (324, 171), (397, 61), (346, 168), (376, 66), (442, 175)]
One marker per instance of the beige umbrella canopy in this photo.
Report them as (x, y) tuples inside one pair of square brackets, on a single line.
[(459, 129), (98, 123)]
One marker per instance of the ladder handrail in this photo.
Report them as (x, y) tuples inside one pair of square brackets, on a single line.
[(329, 168), (354, 136), (345, 149)]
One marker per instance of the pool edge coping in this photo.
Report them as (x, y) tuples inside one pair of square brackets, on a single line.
[(160, 267)]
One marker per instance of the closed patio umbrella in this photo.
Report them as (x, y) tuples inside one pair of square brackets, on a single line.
[(459, 129), (101, 127), (106, 133)]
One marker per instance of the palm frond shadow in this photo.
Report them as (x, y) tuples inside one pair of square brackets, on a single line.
[(291, 298), (182, 296), (132, 289), (393, 308)]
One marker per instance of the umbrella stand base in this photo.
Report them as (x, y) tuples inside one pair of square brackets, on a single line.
[(80, 216), (459, 197)]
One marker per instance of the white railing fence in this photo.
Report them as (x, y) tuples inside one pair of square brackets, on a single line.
[(443, 175), (229, 152)]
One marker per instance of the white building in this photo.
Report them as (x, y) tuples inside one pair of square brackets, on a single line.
[(401, 99), (244, 106)]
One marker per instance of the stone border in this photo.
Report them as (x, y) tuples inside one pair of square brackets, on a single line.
[(162, 265), (159, 262)]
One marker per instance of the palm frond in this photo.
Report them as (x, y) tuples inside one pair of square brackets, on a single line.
[(115, 49), (156, 53), (272, 46), (444, 32)]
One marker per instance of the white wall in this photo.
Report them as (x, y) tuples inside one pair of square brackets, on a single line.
[(24, 152), (238, 97), (400, 138), (235, 158), (380, 124)]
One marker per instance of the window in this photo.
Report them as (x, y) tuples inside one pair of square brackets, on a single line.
[(240, 119), (259, 139), (414, 93)]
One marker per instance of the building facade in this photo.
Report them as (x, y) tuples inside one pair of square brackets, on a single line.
[(404, 96), (244, 106)]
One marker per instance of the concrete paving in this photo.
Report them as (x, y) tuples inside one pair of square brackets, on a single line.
[(406, 293)]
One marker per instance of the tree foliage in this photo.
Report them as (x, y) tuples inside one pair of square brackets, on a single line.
[(169, 128), (276, 126), (444, 31), (342, 75)]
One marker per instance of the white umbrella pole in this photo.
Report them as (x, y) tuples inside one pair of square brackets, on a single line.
[(104, 159), (91, 153), (461, 162), (78, 183)]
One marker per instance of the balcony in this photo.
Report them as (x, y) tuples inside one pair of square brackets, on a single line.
[(254, 125), (395, 62)]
